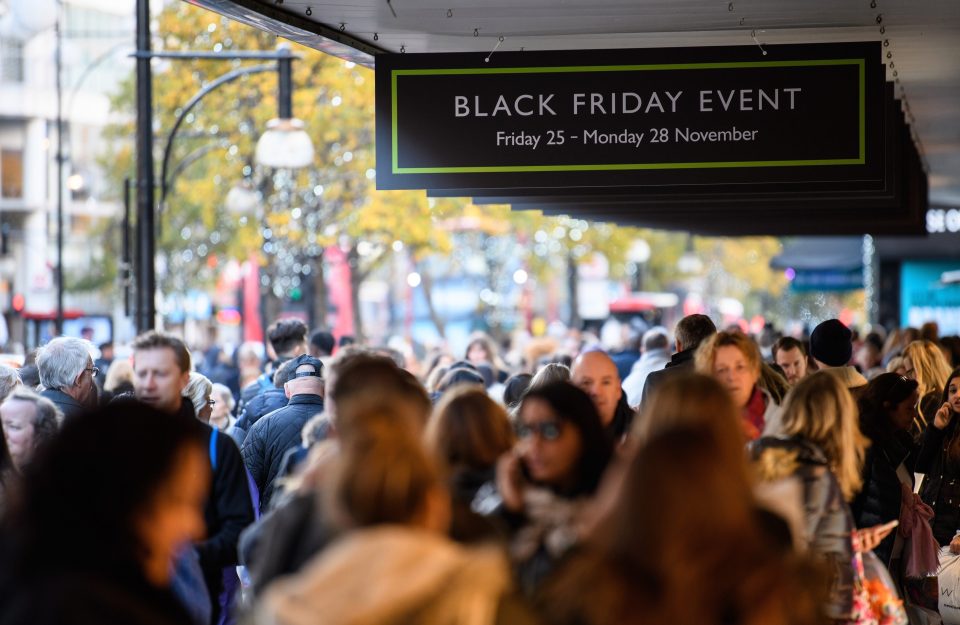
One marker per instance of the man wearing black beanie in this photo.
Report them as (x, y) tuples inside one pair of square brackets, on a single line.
[(831, 345)]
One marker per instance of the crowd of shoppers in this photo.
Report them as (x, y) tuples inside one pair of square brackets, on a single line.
[(701, 484)]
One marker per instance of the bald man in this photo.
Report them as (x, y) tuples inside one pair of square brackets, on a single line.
[(596, 374)]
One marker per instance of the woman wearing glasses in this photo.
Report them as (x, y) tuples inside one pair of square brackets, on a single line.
[(549, 477)]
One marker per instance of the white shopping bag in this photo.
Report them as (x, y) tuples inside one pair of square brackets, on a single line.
[(949, 580)]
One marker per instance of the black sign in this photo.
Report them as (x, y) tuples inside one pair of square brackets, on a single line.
[(630, 117)]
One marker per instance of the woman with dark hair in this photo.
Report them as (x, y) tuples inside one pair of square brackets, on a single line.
[(939, 460), (698, 556), (551, 475), (482, 350), (514, 388), (888, 406), (104, 509)]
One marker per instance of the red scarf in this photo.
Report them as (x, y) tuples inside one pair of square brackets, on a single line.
[(753, 412)]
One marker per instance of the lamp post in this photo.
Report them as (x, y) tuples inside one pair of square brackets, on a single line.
[(284, 134)]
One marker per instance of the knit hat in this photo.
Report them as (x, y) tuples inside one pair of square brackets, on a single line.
[(831, 343)]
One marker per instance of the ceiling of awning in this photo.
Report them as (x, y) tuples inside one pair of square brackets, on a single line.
[(922, 40)]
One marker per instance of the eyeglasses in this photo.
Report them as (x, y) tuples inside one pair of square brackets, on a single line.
[(211, 402), (548, 430), (94, 371)]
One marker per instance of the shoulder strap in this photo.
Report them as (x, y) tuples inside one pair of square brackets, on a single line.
[(213, 448)]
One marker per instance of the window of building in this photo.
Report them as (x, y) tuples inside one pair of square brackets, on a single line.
[(11, 60), (11, 173)]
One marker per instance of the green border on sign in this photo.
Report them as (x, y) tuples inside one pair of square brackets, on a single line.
[(620, 68)]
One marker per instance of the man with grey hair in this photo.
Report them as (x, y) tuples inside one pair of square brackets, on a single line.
[(654, 356), (67, 375)]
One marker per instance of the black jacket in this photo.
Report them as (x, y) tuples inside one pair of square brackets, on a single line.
[(679, 363), (271, 437), (941, 486), (285, 539), (880, 498), (69, 406), (266, 402), (92, 598)]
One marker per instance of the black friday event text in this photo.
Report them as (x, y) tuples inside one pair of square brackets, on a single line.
[(626, 102)]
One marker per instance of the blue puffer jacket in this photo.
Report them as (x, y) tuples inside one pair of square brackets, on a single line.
[(263, 404), (271, 437)]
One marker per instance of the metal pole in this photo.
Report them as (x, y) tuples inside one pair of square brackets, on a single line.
[(59, 70), (285, 79), (146, 278), (125, 245)]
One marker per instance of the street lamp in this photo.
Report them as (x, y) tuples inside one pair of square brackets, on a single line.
[(295, 144), (285, 145)]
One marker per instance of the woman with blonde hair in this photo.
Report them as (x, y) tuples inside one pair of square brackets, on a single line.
[(119, 380), (734, 361), (924, 362), (198, 391), (824, 451)]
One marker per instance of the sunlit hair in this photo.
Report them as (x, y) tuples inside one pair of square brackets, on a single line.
[(895, 363), (930, 368), (821, 410), (119, 372), (61, 360), (382, 475), (198, 391), (469, 430), (548, 374), (9, 380), (706, 354), (696, 401)]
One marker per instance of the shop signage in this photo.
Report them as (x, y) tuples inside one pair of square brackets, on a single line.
[(629, 117)]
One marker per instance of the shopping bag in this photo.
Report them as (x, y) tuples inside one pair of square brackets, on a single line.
[(949, 577), (875, 598)]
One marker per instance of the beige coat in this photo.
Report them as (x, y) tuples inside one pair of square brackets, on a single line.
[(391, 575)]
